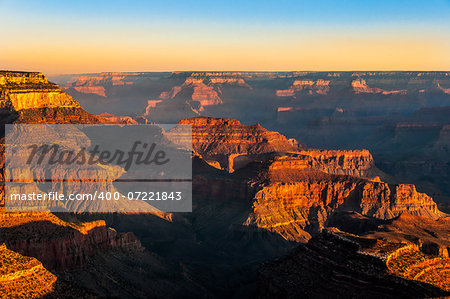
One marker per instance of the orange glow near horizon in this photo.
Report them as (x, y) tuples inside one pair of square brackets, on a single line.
[(68, 38), (315, 55)]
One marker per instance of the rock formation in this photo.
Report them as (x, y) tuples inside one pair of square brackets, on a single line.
[(205, 94), (429, 235), (336, 265), (204, 88), (31, 91), (296, 202), (96, 84), (33, 99), (23, 276), (223, 140), (118, 119), (305, 86), (360, 86), (351, 162), (296, 190), (59, 244)]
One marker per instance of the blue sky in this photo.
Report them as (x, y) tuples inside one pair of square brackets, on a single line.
[(261, 27)]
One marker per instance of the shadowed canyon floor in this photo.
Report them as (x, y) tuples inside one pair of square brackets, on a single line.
[(336, 224)]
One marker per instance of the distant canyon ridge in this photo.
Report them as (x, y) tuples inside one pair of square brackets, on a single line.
[(403, 118)]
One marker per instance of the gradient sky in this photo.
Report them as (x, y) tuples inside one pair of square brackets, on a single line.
[(94, 36)]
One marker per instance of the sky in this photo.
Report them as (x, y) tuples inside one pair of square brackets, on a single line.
[(57, 37)]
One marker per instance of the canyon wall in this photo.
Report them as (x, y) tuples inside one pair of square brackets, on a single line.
[(296, 203), (31, 98)]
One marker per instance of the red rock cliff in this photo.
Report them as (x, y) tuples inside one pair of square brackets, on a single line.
[(36, 100)]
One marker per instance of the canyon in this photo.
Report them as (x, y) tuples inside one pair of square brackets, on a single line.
[(271, 216), (37, 245)]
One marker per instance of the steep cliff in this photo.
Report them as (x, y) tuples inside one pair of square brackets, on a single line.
[(296, 202), (31, 98), (231, 145), (59, 244), (222, 140), (351, 162), (32, 91)]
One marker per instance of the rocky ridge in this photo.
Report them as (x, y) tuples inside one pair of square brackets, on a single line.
[(295, 202), (309, 86), (22, 276), (31, 98), (222, 140), (294, 191), (345, 265), (360, 86), (59, 244)]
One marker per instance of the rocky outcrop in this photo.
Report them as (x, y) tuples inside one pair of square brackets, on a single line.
[(233, 145), (150, 105), (96, 84), (305, 86), (360, 86), (211, 136), (206, 95), (295, 191), (337, 265), (23, 276), (204, 87), (15, 78), (99, 90), (59, 244), (35, 99), (58, 116), (31, 98), (32, 90), (118, 119), (222, 140), (429, 235), (352, 162), (295, 202), (411, 263)]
